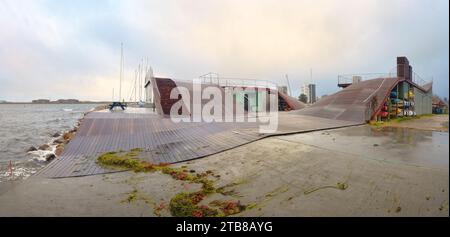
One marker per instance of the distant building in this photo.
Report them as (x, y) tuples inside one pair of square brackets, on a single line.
[(41, 101), (310, 91), (68, 101), (304, 90), (439, 105)]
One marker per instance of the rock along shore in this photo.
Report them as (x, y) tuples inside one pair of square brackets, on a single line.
[(57, 145)]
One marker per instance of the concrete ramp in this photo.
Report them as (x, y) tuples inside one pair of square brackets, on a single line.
[(357, 102)]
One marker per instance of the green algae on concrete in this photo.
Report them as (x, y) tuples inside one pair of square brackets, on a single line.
[(132, 196), (182, 204), (340, 186), (121, 160), (186, 205)]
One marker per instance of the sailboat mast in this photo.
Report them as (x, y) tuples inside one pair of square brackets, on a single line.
[(145, 79), (135, 86), (121, 71), (140, 80)]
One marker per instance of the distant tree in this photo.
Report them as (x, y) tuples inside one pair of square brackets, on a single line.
[(303, 98)]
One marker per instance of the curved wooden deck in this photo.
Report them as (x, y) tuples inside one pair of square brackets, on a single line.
[(163, 140)]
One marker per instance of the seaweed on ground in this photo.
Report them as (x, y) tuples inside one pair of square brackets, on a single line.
[(183, 204), (340, 186)]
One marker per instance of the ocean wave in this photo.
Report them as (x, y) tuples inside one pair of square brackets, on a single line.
[(55, 120), (33, 125), (40, 155), (18, 172)]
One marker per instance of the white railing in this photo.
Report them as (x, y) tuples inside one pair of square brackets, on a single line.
[(214, 78), (419, 80), (350, 78)]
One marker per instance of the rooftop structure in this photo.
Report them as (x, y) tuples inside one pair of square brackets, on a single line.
[(250, 97), (376, 96)]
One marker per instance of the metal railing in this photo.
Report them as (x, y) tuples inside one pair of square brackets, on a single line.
[(354, 78), (214, 78), (211, 78), (419, 80)]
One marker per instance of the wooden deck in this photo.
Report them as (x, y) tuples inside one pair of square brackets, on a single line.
[(162, 139), (357, 102)]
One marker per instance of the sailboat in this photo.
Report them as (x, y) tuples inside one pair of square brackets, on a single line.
[(141, 103), (119, 103), (142, 75)]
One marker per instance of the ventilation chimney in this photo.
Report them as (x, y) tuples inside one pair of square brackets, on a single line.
[(404, 70)]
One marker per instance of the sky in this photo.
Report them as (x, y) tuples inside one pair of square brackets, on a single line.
[(71, 49)]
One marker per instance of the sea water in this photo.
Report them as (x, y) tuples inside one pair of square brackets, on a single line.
[(26, 125)]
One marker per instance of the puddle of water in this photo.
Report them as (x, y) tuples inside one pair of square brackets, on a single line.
[(392, 144), (408, 145), (395, 135)]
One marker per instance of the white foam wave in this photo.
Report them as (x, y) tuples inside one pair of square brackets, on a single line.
[(17, 173), (40, 155)]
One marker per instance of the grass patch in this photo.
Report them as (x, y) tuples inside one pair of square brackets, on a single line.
[(398, 120), (377, 123), (403, 119)]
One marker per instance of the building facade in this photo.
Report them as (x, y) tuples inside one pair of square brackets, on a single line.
[(310, 91)]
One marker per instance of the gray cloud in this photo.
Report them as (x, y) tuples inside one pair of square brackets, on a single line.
[(70, 49)]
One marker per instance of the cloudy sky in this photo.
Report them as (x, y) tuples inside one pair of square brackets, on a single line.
[(71, 49)]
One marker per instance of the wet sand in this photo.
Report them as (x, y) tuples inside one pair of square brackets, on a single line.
[(388, 172)]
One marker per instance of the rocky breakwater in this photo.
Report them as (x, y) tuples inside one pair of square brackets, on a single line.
[(49, 151), (54, 149)]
